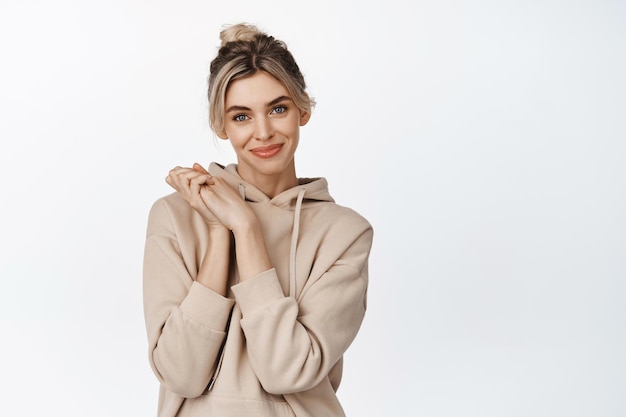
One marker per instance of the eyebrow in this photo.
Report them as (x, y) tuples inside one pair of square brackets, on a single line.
[(270, 104)]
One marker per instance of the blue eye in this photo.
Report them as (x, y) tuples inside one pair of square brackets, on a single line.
[(240, 118), (279, 109)]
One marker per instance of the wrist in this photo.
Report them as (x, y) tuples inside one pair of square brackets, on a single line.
[(247, 226), (247, 229), (213, 271), (252, 255), (218, 230)]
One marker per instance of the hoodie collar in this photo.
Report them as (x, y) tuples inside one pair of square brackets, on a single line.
[(316, 189)]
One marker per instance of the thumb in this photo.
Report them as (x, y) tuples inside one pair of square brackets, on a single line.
[(199, 168)]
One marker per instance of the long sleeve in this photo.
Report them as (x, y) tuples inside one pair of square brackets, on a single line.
[(294, 344), (186, 322)]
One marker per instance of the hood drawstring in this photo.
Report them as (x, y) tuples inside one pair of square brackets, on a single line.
[(294, 237), (294, 243)]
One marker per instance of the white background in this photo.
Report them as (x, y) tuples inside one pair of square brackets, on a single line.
[(484, 140)]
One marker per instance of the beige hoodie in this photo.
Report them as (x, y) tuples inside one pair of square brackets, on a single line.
[(274, 346)]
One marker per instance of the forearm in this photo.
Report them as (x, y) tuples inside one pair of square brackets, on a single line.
[(294, 343), (213, 272), (185, 352), (186, 321), (252, 255), (293, 346)]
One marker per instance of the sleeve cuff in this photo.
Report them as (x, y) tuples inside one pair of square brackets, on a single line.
[(259, 292), (206, 306)]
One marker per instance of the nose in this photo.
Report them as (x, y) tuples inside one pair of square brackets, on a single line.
[(263, 129)]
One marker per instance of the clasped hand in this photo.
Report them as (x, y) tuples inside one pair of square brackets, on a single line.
[(212, 197)]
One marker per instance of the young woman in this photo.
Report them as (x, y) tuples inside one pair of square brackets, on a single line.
[(255, 281)]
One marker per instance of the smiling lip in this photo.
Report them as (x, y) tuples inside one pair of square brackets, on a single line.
[(267, 151)]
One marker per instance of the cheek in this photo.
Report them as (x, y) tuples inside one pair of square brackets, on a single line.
[(237, 136), (291, 126)]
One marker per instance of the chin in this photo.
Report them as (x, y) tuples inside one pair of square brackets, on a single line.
[(271, 169)]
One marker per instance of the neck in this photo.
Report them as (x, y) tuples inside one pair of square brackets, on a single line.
[(271, 184)]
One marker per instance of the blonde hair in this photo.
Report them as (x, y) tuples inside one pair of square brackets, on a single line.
[(244, 51)]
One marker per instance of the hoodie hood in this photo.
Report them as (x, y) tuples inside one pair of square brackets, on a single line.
[(309, 191), (315, 189)]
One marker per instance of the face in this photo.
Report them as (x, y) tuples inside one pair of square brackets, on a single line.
[(263, 125)]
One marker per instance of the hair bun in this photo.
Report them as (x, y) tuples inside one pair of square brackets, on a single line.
[(239, 32)]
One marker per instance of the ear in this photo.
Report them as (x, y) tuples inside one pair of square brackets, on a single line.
[(222, 134), (304, 117)]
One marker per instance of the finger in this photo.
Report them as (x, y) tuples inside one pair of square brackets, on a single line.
[(200, 180), (195, 179), (179, 178), (194, 189), (175, 172), (222, 184), (207, 195), (187, 172), (175, 183), (185, 175), (203, 179), (174, 179), (177, 169), (199, 168)]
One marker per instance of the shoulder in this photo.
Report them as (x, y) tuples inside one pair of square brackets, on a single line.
[(342, 216), (319, 200), (170, 202), (338, 226), (167, 213), (338, 235), (167, 206)]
